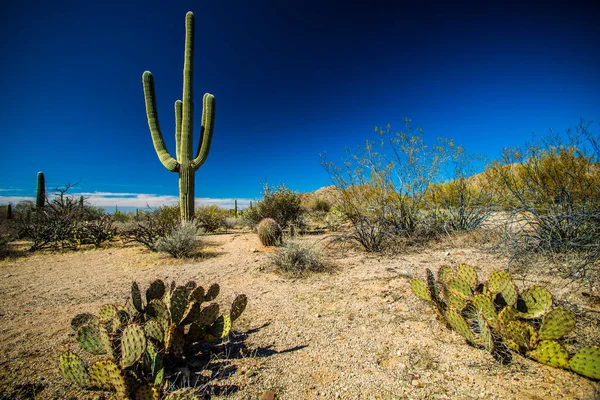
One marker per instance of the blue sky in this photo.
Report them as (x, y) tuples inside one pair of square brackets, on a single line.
[(291, 79)]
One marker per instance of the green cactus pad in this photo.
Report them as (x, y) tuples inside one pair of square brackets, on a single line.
[(156, 290), (191, 314), (467, 274), (460, 288), (445, 274), (183, 394), (238, 306), (208, 315), (212, 292), (419, 288), (458, 323), (147, 392), (133, 345), (550, 353), (84, 319), (197, 295), (157, 310), (485, 333), (586, 362), (432, 286), (105, 374), (221, 327), (107, 312), (520, 333), (136, 297), (509, 294), (507, 315), (485, 305), (94, 339), (73, 369), (179, 302), (456, 302), (154, 329), (174, 340), (497, 281), (557, 323), (190, 286), (536, 301)]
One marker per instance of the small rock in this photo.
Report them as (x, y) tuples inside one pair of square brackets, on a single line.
[(417, 383), (267, 395), (8, 276), (254, 250)]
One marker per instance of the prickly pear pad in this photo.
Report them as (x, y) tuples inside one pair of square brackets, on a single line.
[(419, 288), (551, 353), (586, 362), (73, 369), (556, 323)]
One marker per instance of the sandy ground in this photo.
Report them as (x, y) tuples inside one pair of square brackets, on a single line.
[(354, 333)]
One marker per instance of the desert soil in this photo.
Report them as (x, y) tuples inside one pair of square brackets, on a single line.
[(356, 332)]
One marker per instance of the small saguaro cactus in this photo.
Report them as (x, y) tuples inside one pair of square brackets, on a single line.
[(40, 196), (235, 208), (183, 163)]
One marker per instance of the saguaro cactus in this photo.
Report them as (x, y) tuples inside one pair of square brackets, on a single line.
[(40, 196), (183, 163)]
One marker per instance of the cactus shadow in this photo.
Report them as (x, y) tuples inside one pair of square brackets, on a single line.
[(217, 362)]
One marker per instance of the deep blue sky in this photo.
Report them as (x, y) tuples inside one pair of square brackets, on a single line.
[(291, 79)]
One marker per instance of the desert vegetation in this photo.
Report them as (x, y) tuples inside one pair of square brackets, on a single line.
[(335, 305), (527, 308)]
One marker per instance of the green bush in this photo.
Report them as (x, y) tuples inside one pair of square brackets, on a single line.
[(282, 205), (210, 218)]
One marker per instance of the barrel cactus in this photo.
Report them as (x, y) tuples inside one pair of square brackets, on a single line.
[(269, 232), (140, 342), (495, 316)]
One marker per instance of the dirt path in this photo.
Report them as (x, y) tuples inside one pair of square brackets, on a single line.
[(356, 333)]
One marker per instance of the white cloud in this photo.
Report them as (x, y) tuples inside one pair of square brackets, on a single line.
[(108, 200)]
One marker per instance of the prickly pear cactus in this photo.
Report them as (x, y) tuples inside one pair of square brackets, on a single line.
[(140, 339), (494, 316)]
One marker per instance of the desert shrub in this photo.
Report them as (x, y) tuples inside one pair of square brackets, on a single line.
[(321, 205), (233, 222), (181, 242), (553, 190), (210, 218), (269, 232), (282, 205), (146, 342), (152, 226), (95, 231), (121, 217), (382, 185), (494, 316), (296, 257)]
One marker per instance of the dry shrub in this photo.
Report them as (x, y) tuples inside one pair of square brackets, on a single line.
[(181, 242), (297, 257)]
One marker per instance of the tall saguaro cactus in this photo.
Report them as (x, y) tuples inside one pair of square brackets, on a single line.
[(40, 196), (184, 163)]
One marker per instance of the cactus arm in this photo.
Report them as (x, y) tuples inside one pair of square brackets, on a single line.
[(208, 119), (187, 125), (178, 117), (157, 139)]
